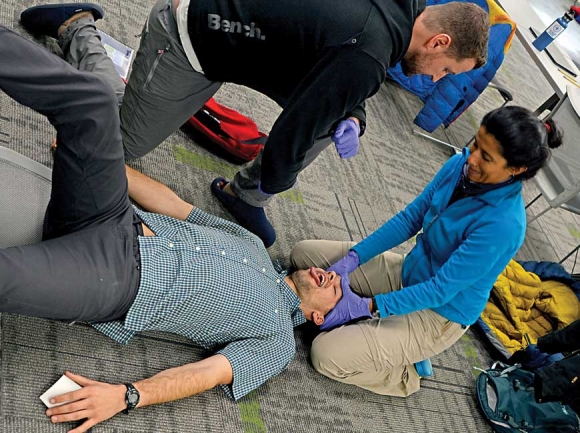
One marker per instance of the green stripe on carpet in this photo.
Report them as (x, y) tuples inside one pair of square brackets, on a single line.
[(209, 164), (250, 411), (204, 162), (471, 353)]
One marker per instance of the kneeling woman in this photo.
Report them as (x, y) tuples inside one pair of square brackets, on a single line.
[(413, 307)]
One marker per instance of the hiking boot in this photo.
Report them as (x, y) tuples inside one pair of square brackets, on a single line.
[(250, 217), (47, 19)]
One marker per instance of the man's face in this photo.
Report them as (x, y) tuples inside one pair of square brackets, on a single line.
[(319, 289), (435, 64)]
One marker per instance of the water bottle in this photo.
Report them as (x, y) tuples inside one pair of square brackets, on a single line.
[(553, 31)]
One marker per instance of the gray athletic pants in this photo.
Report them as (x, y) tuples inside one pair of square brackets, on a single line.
[(87, 267), (164, 91)]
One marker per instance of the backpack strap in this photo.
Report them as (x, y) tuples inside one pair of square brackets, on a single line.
[(505, 371)]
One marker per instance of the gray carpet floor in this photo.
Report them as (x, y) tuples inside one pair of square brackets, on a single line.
[(333, 199)]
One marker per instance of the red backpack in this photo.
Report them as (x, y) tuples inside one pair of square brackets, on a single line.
[(232, 131), (235, 133)]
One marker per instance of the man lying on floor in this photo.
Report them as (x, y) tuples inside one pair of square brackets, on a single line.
[(177, 269)]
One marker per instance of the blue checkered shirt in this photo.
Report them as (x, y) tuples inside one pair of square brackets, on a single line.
[(213, 282)]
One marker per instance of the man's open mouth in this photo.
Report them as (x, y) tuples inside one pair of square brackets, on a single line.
[(319, 277)]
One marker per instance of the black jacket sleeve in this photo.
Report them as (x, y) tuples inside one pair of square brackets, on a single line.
[(565, 340), (341, 80)]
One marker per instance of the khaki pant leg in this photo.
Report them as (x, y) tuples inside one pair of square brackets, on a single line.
[(379, 275), (378, 354)]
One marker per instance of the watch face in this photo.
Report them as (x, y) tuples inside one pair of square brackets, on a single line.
[(133, 398)]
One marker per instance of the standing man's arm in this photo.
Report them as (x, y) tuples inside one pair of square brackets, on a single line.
[(155, 197), (99, 401), (341, 80)]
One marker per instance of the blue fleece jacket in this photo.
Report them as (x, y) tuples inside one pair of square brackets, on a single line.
[(461, 251)]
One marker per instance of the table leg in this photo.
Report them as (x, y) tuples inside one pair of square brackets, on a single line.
[(549, 104)]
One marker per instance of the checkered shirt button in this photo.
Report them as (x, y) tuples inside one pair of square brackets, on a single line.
[(245, 260), (263, 269), (170, 244), (276, 311), (278, 281), (197, 248), (223, 253)]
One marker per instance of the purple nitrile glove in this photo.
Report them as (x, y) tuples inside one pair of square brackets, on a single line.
[(350, 307), (345, 138), (346, 265)]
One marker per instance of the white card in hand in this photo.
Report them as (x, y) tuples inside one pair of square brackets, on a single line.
[(61, 386)]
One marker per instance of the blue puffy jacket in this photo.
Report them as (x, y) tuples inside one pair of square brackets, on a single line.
[(446, 99)]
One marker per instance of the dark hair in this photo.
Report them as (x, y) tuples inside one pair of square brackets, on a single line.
[(524, 138), (468, 26)]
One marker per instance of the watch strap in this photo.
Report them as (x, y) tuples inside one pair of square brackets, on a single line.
[(131, 391)]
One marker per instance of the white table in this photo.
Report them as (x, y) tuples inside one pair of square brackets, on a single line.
[(547, 11), (522, 12)]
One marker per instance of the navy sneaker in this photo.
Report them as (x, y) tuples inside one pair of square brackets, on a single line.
[(424, 368), (46, 19), (251, 218)]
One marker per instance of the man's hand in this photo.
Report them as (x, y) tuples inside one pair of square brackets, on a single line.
[(345, 137), (95, 402), (99, 401), (350, 307)]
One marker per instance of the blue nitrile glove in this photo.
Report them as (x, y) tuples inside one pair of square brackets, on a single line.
[(345, 138), (346, 265), (531, 358), (350, 307)]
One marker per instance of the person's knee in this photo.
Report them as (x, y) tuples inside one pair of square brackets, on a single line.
[(133, 146), (131, 151), (321, 359), (100, 104), (329, 358), (302, 254)]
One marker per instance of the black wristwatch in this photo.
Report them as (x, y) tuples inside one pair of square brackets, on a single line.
[(132, 397)]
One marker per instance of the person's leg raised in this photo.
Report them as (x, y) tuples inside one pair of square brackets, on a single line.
[(83, 49), (90, 258)]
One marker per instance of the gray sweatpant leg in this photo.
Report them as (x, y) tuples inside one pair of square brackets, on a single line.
[(245, 183), (163, 90), (82, 48)]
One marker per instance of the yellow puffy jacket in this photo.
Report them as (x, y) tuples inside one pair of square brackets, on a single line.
[(520, 303)]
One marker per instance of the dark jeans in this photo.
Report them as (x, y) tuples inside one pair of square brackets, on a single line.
[(87, 267)]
